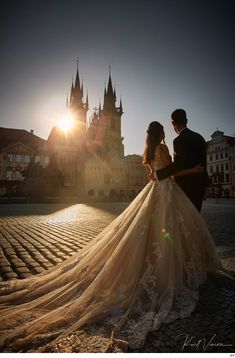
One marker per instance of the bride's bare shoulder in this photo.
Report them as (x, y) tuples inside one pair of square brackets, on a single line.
[(164, 154), (163, 148)]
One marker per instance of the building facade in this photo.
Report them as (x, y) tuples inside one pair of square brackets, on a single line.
[(18, 148), (221, 164)]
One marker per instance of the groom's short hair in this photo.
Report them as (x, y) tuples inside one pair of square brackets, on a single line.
[(179, 116)]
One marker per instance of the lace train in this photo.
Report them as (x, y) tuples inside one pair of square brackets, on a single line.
[(143, 270)]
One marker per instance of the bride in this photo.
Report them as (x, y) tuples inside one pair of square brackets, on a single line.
[(143, 270)]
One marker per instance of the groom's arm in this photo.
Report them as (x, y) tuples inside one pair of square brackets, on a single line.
[(168, 171)]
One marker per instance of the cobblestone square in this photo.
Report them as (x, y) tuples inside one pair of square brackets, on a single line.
[(35, 237)]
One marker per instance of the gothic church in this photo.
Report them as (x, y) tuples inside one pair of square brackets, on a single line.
[(91, 157)]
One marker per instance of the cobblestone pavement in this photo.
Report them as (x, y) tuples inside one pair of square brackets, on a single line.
[(35, 237)]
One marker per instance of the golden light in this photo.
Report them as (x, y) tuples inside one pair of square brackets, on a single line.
[(66, 123)]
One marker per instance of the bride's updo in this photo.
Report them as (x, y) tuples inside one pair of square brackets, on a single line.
[(154, 137)]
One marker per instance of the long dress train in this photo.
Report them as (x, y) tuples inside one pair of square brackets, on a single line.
[(144, 269)]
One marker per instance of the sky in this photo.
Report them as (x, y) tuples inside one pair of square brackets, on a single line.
[(164, 54)]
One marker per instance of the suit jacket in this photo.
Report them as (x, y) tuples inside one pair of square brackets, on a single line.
[(189, 150)]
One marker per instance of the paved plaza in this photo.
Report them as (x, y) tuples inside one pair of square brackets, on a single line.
[(36, 237)]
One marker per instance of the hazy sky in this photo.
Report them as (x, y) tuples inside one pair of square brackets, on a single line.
[(164, 55)]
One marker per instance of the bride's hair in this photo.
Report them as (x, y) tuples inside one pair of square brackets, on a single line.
[(154, 136)]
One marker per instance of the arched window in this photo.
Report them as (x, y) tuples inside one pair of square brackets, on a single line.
[(113, 193), (91, 192), (101, 193)]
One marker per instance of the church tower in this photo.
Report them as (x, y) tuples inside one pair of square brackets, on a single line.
[(110, 120), (77, 106)]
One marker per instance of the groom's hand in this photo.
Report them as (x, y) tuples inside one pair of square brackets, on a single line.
[(168, 171), (198, 169)]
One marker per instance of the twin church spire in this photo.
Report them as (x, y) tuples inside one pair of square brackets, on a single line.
[(76, 96)]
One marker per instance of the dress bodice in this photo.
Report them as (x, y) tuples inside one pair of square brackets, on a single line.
[(158, 162)]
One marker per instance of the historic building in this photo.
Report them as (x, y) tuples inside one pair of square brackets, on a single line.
[(68, 148), (17, 148), (221, 164), (91, 156)]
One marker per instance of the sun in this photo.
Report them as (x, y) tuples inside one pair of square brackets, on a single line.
[(66, 123)]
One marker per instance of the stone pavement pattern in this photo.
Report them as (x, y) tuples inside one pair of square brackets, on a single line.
[(35, 237)]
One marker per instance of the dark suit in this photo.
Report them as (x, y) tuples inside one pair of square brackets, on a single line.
[(189, 150)]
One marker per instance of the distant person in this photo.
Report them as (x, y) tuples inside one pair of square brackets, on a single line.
[(142, 270), (189, 150)]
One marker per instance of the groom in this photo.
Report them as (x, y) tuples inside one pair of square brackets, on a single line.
[(189, 151)]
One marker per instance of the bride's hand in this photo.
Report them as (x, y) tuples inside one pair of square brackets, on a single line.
[(198, 169), (151, 176)]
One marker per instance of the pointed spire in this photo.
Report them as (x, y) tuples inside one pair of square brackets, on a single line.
[(87, 102), (110, 85), (77, 81), (105, 92), (109, 95), (82, 89), (71, 93), (120, 106), (78, 89), (72, 86)]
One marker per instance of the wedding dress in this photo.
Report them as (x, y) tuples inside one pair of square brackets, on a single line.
[(143, 270)]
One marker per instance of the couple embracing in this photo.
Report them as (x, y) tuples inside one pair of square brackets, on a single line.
[(143, 270)]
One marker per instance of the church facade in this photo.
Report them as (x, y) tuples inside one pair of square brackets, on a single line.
[(91, 157)]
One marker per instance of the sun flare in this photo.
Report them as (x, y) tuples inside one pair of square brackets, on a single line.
[(66, 123)]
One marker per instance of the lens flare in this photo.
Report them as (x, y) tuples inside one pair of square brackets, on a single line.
[(167, 235), (66, 123)]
